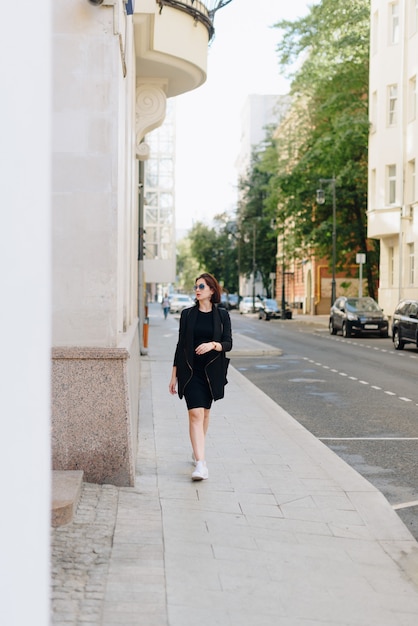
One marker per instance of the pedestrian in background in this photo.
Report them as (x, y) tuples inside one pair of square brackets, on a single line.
[(200, 365), (165, 305)]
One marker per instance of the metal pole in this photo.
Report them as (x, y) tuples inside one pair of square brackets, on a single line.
[(334, 242), (254, 234), (283, 316)]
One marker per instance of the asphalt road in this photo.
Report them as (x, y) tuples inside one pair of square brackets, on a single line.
[(358, 395)]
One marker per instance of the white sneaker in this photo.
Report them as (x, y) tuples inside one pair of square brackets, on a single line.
[(201, 471)]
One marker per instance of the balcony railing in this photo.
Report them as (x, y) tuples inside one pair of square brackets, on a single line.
[(203, 12)]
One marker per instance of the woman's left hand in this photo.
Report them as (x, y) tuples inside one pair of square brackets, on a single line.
[(204, 347)]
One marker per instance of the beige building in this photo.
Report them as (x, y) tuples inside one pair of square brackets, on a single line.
[(115, 65), (393, 147)]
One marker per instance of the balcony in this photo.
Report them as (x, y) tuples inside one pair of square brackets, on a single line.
[(383, 222), (171, 42)]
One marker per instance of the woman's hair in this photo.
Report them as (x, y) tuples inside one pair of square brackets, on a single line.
[(213, 284)]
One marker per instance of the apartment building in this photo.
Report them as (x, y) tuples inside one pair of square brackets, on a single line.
[(393, 147)]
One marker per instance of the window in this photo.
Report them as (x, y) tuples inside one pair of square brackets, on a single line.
[(391, 184), (394, 23), (412, 309), (412, 98), (391, 259), (411, 257), (392, 104)]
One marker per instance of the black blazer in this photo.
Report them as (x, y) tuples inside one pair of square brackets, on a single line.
[(184, 355)]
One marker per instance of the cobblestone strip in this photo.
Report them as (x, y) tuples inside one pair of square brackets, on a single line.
[(80, 553)]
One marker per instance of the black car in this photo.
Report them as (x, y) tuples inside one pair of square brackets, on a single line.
[(405, 324), (224, 303), (270, 310), (233, 300), (357, 316)]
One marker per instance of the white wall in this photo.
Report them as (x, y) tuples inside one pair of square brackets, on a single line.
[(94, 210), (25, 312)]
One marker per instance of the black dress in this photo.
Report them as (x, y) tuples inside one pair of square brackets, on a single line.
[(197, 392)]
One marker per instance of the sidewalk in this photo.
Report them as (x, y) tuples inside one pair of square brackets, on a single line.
[(283, 533)]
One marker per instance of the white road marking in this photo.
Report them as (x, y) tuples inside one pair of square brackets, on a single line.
[(362, 382), (368, 438), (404, 505)]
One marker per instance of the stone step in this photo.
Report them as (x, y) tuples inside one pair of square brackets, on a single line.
[(66, 490)]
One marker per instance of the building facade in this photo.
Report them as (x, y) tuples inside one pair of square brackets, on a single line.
[(393, 147), (115, 65), (258, 113)]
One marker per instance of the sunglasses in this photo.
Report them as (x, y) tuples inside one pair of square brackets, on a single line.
[(200, 286)]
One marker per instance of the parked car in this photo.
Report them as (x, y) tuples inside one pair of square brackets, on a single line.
[(180, 301), (405, 324), (224, 303), (271, 310), (246, 304), (357, 316), (233, 300)]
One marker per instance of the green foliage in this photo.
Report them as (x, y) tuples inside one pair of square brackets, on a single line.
[(214, 250), (329, 135), (187, 266)]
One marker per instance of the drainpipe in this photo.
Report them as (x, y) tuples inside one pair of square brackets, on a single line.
[(141, 285), (402, 123)]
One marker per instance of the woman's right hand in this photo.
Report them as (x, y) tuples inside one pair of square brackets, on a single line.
[(172, 386)]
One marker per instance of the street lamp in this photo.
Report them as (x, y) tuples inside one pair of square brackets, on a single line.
[(320, 198)]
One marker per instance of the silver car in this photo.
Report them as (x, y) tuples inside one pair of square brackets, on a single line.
[(180, 301), (246, 304)]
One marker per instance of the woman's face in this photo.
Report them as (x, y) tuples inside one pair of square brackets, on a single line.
[(202, 290)]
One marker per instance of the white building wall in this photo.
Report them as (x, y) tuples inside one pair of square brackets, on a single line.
[(95, 241), (393, 143), (25, 319), (92, 175)]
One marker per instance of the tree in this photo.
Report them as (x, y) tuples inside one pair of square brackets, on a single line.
[(256, 214), (187, 266), (330, 137), (215, 250)]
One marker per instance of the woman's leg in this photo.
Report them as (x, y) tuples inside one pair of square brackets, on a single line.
[(206, 420), (198, 425)]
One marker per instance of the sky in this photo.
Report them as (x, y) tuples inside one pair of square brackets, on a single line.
[(242, 60)]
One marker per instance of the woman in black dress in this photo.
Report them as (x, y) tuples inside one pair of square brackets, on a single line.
[(200, 364)]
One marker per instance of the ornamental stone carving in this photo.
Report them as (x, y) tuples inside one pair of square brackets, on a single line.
[(142, 151), (149, 111)]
